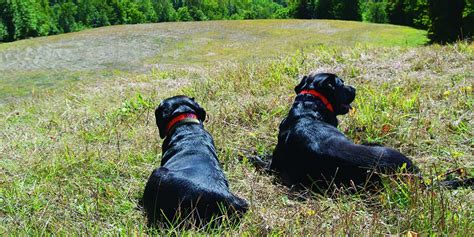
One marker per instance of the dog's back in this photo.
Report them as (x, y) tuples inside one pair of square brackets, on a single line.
[(190, 182)]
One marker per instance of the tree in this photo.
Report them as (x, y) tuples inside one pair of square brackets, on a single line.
[(281, 13), (197, 14), (396, 12), (408, 12), (132, 12), (446, 20), (324, 9), (302, 9), (164, 10), (346, 10), (468, 19), (420, 14), (24, 18), (146, 7), (65, 14), (3, 31), (7, 28), (183, 14), (374, 11), (94, 13)]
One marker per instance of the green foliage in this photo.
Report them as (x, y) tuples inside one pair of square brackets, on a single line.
[(94, 13), (6, 23), (197, 14), (183, 14), (468, 19), (65, 15), (324, 9), (408, 12), (3, 31), (30, 18), (146, 7), (346, 10), (421, 15), (164, 10), (302, 9), (281, 13), (396, 13), (446, 20), (22, 19), (133, 13), (374, 11)]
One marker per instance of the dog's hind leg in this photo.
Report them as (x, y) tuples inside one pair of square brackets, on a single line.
[(259, 163), (377, 158)]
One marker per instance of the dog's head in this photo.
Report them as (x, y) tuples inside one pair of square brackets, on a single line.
[(332, 87), (174, 106)]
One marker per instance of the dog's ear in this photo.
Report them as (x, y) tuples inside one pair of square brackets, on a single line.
[(328, 83), (302, 84), (160, 114), (201, 113)]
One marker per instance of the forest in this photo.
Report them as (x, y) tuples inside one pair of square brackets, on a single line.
[(445, 20)]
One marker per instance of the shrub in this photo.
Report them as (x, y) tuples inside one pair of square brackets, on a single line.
[(197, 14), (3, 31), (281, 13), (183, 14), (468, 19), (375, 12)]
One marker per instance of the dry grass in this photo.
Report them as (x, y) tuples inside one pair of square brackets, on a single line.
[(76, 161)]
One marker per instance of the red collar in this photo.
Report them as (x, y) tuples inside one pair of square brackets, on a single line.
[(189, 116), (319, 96)]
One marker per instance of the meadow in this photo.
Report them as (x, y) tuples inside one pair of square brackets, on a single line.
[(78, 138)]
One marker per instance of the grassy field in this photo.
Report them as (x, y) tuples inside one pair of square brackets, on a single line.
[(78, 138), (98, 54)]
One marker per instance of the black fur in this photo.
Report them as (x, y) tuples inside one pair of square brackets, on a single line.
[(190, 181), (311, 150)]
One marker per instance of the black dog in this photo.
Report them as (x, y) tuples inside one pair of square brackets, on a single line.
[(311, 150), (190, 181)]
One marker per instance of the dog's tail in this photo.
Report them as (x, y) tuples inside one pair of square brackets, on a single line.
[(457, 183), (462, 181), (260, 162)]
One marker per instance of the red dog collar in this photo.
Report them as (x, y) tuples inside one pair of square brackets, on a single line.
[(319, 96), (188, 116)]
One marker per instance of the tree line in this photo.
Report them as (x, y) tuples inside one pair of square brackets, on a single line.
[(445, 20)]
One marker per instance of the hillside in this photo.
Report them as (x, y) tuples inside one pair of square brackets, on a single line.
[(78, 138), (49, 62)]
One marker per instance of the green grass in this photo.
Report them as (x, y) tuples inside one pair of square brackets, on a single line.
[(75, 160)]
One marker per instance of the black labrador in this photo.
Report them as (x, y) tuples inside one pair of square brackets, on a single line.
[(190, 181), (312, 152)]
